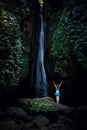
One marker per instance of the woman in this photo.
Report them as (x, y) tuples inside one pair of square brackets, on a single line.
[(57, 93)]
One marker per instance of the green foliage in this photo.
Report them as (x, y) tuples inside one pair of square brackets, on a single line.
[(76, 28), (13, 54), (69, 37), (36, 106), (60, 46)]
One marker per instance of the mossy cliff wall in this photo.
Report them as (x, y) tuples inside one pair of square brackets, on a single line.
[(15, 28), (67, 32), (67, 47)]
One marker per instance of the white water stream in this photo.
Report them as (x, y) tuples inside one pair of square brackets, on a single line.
[(41, 81)]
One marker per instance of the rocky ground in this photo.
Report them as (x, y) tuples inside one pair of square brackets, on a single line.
[(42, 114)]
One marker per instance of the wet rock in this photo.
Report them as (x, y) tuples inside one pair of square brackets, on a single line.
[(81, 117), (45, 99), (16, 112), (8, 125), (43, 121), (44, 128), (65, 123), (28, 125)]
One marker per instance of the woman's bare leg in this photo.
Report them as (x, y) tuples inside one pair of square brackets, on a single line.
[(57, 99)]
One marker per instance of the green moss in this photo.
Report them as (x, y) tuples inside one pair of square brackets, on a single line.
[(68, 39), (76, 28), (37, 106), (60, 46), (14, 52)]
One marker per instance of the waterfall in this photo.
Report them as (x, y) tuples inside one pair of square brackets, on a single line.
[(41, 81)]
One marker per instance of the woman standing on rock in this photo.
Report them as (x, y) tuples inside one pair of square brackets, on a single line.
[(57, 93)]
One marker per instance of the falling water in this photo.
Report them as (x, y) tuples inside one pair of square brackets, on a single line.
[(41, 81)]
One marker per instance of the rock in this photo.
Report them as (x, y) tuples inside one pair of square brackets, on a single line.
[(31, 129), (65, 123), (25, 100), (43, 121), (49, 99), (7, 125), (44, 128), (28, 125), (1, 114), (55, 125), (44, 106), (16, 112), (81, 117)]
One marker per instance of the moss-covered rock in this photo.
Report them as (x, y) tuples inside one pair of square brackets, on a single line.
[(44, 106)]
